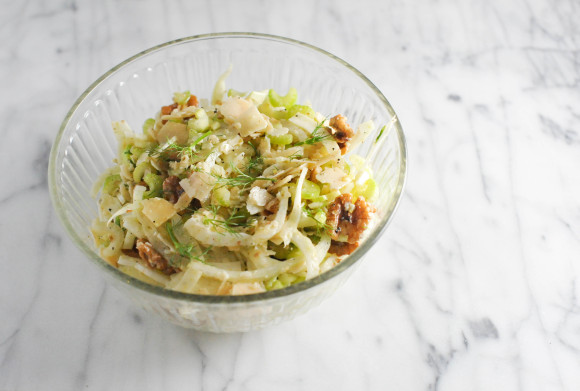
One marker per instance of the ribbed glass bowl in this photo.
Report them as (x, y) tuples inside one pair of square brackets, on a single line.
[(136, 89)]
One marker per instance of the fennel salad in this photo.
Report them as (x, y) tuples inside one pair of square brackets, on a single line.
[(240, 194)]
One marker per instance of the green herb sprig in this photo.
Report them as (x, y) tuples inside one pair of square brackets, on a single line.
[(316, 136), (169, 151), (185, 250), (236, 220), (242, 180), (128, 155), (320, 227), (380, 133), (295, 156)]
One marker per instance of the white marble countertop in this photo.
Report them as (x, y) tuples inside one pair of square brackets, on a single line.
[(474, 286)]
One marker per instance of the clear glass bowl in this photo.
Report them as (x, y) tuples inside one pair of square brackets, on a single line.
[(136, 89)]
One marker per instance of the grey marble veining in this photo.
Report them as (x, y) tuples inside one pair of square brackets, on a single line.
[(475, 284)]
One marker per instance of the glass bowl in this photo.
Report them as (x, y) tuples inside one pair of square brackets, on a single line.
[(139, 86)]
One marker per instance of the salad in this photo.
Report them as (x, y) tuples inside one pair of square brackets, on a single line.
[(240, 194)]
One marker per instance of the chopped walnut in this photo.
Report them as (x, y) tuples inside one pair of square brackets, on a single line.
[(313, 172), (273, 205), (341, 131), (347, 220), (192, 101), (166, 110), (172, 190), (131, 252), (342, 248), (153, 259)]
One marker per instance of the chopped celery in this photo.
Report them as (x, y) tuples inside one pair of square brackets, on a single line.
[(215, 124), (181, 98), (281, 252), (320, 216), (154, 181), (130, 154), (155, 184), (322, 199), (306, 110), (367, 189), (331, 195), (277, 285), (257, 97), (326, 198), (287, 278), (276, 113), (140, 171), (273, 284), (346, 167), (286, 101), (232, 92), (136, 152), (283, 139), (268, 283), (294, 252), (111, 184), (310, 190), (126, 157), (282, 281), (221, 197), (148, 126), (199, 123)]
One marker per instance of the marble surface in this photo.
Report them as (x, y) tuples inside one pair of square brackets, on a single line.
[(474, 286)]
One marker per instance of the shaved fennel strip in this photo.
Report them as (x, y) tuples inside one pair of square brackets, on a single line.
[(291, 223), (307, 251), (246, 276)]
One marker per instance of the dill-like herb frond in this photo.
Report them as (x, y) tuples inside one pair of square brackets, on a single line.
[(316, 136), (242, 180), (380, 133), (128, 155), (171, 150), (185, 250), (295, 156), (320, 227), (235, 220)]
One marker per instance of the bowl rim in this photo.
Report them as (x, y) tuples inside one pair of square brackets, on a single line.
[(227, 299)]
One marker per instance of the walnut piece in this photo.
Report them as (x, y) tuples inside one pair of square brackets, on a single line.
[(348, 221), (341, 131), (153, 259)]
